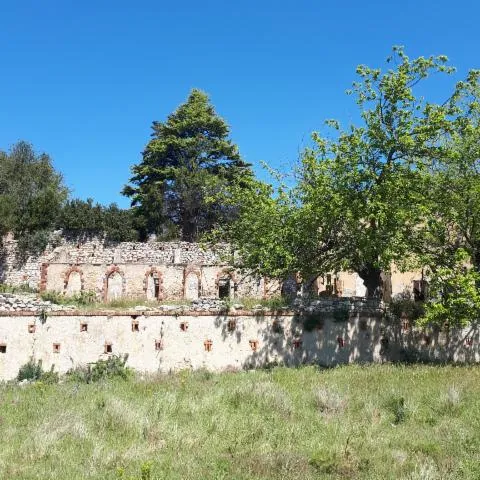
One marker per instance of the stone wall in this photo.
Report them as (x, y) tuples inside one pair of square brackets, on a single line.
[(153, 270), (181, 269), (157, 342)]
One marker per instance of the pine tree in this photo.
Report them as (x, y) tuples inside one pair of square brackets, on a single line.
[(187, 169)]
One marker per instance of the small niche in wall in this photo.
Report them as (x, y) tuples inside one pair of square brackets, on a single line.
[(32, 328), (3, 348), (83, 327), (158, 344), (108, 348), (208, 344), (232, 325), (363, 325), (135, 326), (297, 343), (183, 326), (341, 342), (56, 348), (253, 345), (468, 341), (426, 340), (405, 324)]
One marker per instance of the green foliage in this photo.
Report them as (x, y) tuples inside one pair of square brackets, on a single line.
[(31, 196), (30, 371), (85, 217), (180, 186), (453, 196), (33, 371), (454, 295), (113, 367), (22, 288), (376, 193), (406, 307), (395, 405)]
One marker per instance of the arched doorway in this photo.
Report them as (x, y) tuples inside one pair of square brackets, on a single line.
[(153, 287), (74, 284), (114, 286), (192, 286)]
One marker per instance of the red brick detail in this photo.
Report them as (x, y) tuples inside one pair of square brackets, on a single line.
[(253, 345), (208, 344), (224, 274), (158, 274), (297, 343), (66, 276), (43, 277), (110, 271), (196, 271)]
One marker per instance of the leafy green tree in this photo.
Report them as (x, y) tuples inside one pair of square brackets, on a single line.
[(454, 296), (31, 195), (187, 167), (454, 190), (84, 217), (359, 201)]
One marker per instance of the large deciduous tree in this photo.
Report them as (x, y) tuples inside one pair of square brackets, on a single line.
[(454, 191), (359, 203), (186, 169), (31, 195)]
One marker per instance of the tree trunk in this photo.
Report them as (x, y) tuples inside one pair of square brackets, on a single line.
[(372, 279), (188, 231)]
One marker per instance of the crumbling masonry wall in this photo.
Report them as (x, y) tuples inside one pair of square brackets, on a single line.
[(165, 342), (179, 270)]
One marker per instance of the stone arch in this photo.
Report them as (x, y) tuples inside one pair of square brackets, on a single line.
[(73, 281), (226, 283), (153, 284), (192, 285), (113, 283)]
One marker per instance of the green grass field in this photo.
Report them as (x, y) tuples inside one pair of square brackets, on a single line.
[(374, 422)]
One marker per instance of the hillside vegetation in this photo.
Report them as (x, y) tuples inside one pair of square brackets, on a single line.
[(374, 422)]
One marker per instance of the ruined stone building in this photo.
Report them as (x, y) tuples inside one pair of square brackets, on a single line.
[(161, 271)]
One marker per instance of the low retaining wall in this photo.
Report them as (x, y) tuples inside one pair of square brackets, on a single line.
[(165, 342)]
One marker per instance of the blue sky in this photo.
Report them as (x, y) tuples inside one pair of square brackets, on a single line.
[(83, 80)]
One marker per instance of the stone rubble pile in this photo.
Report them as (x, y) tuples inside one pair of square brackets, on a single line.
[(10, 302)]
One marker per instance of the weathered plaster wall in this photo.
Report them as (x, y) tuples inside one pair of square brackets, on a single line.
[(165, 343)]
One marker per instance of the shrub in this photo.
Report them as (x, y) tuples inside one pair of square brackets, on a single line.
[(112, 367), (30, 371), (33, 371), (22, 288), (406, 307)]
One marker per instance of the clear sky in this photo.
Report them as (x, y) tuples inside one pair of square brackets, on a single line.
[(83, 80)]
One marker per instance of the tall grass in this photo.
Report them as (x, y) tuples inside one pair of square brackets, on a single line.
[(375, 422)]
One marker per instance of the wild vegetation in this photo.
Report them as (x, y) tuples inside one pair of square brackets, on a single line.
[(402, 186), (375, 422)]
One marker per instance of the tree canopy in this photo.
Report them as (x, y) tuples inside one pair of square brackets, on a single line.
[(86, 217), (179, 187), (363, 196), (32, 194)]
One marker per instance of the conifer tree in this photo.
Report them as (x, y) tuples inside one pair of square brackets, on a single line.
[(187, 169)]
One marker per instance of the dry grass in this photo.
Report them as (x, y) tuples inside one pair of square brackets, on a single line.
[(280, 424)]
